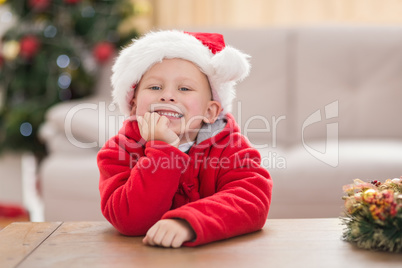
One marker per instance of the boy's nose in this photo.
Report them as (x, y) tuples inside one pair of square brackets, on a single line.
[(167, 99), (168, 95)]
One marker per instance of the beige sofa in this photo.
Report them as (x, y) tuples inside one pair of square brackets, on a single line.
[(321, 104)]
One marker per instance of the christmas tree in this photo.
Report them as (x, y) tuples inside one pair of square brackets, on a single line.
[(53, 54)]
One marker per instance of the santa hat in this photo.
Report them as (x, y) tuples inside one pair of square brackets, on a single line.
[(223, 65)]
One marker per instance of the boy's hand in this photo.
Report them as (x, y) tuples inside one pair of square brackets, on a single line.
[(155, 127), (169, 233)]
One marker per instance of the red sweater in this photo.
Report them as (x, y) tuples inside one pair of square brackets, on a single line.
[(219, 187)]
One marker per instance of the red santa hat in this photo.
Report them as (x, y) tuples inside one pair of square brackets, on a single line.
[(223, 65)]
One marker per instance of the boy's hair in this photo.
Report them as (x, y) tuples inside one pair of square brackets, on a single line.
[(223, 65)]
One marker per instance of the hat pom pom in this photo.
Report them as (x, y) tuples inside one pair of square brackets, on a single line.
[(231, 65)]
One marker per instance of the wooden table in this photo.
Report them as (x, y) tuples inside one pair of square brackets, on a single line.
[(282, 243)]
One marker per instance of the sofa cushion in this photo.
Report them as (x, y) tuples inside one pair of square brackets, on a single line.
[(308, 187), (86, 123), (262, 98), (57, 141), (70, 187), (360, 68)]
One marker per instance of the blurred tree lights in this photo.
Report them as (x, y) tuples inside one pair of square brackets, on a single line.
[(52, 54)]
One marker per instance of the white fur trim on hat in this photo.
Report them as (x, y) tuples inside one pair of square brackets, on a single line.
[(223, 69)]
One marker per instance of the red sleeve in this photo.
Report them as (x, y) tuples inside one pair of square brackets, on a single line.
[(240, 204), (134, 193)]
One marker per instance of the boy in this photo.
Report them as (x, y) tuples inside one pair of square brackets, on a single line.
[(179, 171)]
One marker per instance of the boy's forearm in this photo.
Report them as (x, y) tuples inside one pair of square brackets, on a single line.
[(239, 208), (133, 199), (240, 204)]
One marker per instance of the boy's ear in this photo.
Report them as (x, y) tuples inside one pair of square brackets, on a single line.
[(213, 110), (133, 106)]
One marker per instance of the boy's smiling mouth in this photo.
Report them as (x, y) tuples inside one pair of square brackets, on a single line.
[(168, 110), (169, 114)]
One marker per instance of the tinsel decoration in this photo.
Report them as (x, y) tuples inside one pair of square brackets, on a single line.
[(373, 214), (53, 54)]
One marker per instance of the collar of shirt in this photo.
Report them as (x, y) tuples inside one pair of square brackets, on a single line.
[(185, 146)]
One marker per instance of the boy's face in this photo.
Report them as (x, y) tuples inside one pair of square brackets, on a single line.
[(177, 89)]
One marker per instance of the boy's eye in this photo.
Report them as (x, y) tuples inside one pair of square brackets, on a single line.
[(184, 89), (155, 88)]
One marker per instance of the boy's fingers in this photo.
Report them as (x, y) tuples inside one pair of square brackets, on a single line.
[(158, 237), (140, 123), (149, 237), (143, 127), (168, 239), (146, 116), (140, 120), (149, 241), (145, 240), (177, 241), (153, 119), (164, 120)]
